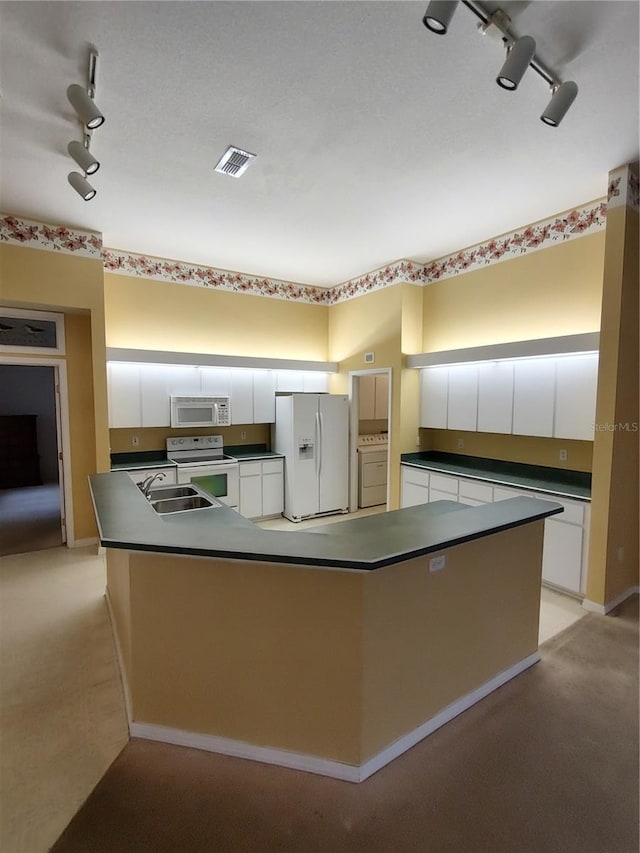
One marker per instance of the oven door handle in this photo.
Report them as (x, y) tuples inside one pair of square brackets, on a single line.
[(215, 414)]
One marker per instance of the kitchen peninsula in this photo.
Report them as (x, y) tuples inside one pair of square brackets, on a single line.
[(332, 649)]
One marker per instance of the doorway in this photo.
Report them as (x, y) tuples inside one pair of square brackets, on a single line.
[(32, 493), (370, 427)]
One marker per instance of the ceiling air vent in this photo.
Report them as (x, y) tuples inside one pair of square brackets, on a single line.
[(234, 162)]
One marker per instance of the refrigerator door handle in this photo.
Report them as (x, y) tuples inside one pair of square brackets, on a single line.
[(321, 437), (318, 437)]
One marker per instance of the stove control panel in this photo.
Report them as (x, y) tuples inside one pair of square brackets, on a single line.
[(373, 439), (196, 442)]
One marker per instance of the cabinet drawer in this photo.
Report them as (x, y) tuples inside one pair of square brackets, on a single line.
[(573, 512), (502, 494), (475, 490), (444, 484), (250, 469), (415, 476), (272, 466)]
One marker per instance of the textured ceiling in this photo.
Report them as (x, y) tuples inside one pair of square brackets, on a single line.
[(376, 139)]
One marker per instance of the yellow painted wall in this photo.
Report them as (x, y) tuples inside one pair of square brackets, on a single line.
[(53, 281), (153, 438), (529, 449), (547, 293), (146, 314), (374, 323), (613, 551)]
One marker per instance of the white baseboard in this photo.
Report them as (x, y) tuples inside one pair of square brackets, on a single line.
[(604, 609), (322, 766), (82, 543)]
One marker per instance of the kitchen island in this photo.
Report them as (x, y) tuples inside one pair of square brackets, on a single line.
[(332, 649)]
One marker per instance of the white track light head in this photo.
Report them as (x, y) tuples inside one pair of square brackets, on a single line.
[(520, 55), (557, 108), (83, 157), (85, 106), (81, 185), (438, 15)]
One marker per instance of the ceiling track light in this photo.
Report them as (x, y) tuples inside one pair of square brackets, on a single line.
[(81, 185), (563, 96), (438, 15), (83, 101), (520, 56)]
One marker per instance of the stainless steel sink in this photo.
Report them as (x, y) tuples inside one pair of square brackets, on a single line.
[(183, 504), (166, 492)]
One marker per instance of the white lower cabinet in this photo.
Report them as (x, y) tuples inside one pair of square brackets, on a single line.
[(169, 478), (566, 536), (262, 488)]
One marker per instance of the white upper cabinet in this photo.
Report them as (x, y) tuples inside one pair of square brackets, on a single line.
[(154, 395), (216, 382), (533, 396), (183, 380), (576, 384), (241, 396), (381, 406), (315, 382), (462, 403), (433, 397), (264, 397), (124, 395), (290, 380), (495, 396)]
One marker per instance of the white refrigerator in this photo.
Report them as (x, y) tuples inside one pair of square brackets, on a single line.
[(312, 432)]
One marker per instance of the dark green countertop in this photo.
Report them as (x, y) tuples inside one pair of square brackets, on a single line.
[(141, 459), (244, 452), (554, 481), (126, 520)]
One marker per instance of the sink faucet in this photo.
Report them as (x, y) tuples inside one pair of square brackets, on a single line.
[(145, 485)]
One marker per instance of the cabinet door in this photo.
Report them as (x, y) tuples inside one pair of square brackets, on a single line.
[(575, 404), (562, 555), (251, 495), (155, 403), (462, 405), (367, 398), (381, 411), (415, 486), (289, 380), (495, 397), (315, 382), (264, 397), (272, 493), (183, 380), (124, 395), (533, 396), (438, 495), (433, 397), (241, 397), (216, 382)]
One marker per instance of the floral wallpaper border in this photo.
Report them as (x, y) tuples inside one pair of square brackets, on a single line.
[(51, 238), (567, 226), (624, 189)]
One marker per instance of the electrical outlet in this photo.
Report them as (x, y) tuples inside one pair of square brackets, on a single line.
[(135, 441), (460, 443), (243, 435), (563, 455), (436, 564)]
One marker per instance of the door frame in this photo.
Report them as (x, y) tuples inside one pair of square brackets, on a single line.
[(354, 412), (62, 428)]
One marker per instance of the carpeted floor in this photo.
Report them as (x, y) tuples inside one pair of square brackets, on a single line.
[(30, 519), (546, 764)]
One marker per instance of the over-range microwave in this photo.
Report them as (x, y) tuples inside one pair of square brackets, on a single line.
[(200, 411)]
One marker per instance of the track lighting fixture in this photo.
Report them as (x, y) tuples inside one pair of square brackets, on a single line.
[(83, 157), (518, 58), (81, 185), (520, 53), (438, 15), (85, 106), (90, 117), (563, 96)]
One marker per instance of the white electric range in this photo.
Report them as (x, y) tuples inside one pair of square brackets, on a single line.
[(200, 459)]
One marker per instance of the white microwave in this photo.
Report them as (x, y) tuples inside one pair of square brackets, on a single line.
[(200, 411)]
